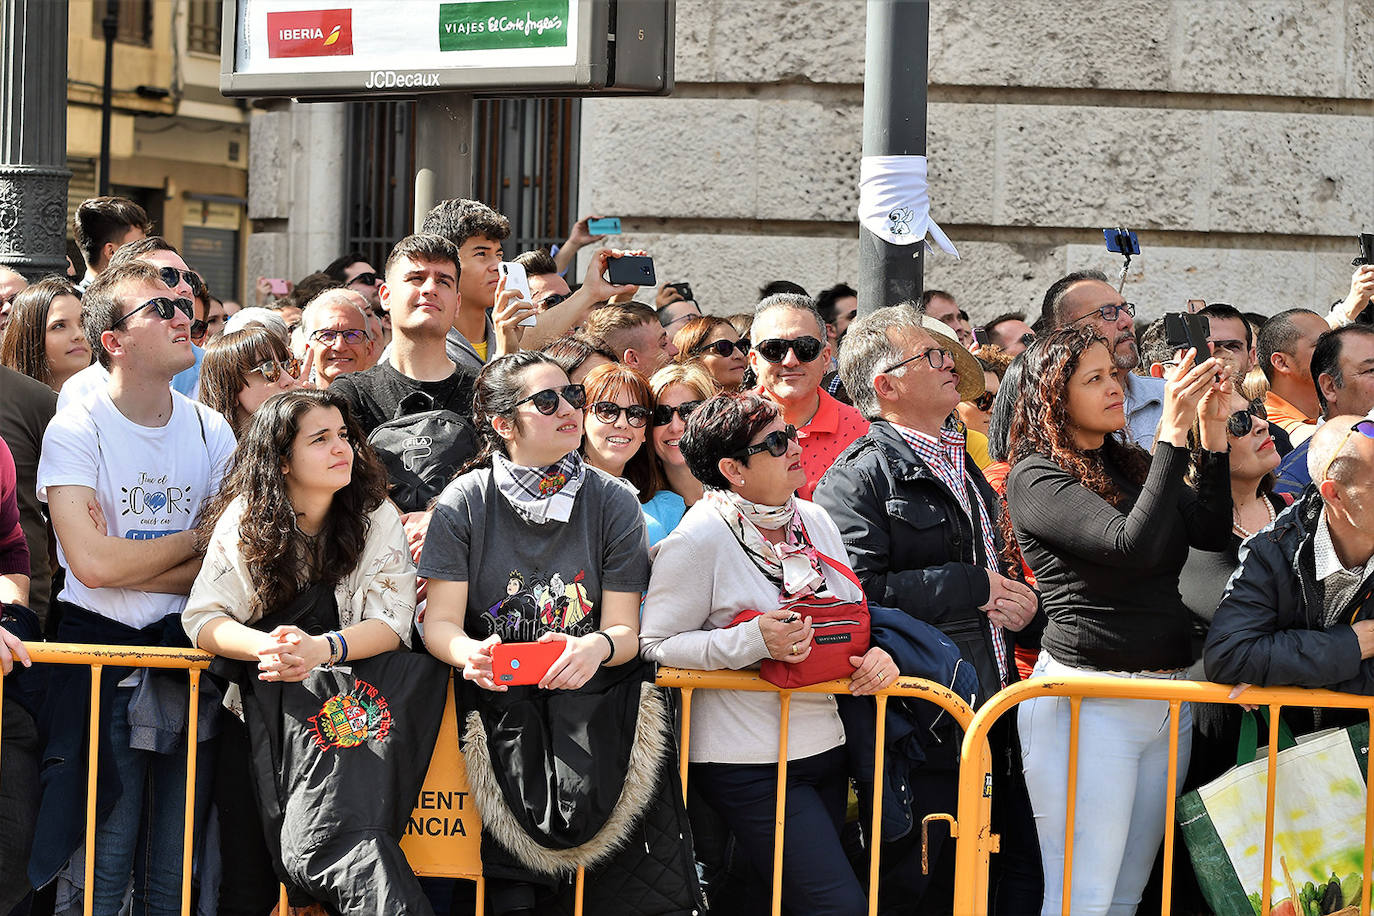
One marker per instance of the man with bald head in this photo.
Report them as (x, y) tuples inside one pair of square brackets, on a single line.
[(12, 283), (1300, 611)]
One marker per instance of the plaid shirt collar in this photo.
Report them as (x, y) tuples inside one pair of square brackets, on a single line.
[(540, 494)]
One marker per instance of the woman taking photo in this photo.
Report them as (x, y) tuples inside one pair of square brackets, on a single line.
[(619, 406), (678, 389), (750, 545), (1106, 529), (301, 517), (535, 545), (713, 343), (44, 338), (242, 369)]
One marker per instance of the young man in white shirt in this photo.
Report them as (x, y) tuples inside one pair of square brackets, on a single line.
[(124, 470)]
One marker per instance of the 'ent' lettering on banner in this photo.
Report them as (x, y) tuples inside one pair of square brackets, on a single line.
[(503, 24)]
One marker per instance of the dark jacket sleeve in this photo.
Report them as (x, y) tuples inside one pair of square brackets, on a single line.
[(1053, 506), (1207, 510), (857, 503), (1248, 643)]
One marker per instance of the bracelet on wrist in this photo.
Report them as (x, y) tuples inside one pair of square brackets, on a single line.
[(610, 642), (333, 650), (343, 647)]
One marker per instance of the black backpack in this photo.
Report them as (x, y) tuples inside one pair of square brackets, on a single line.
[(422, 448)]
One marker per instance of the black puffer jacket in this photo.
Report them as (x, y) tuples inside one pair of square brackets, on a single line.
[(913, 547), (1271, 629)]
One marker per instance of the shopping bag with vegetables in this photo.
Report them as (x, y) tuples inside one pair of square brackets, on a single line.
[(1319, 817)]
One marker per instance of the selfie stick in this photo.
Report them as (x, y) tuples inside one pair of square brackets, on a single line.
[(1125, 267)]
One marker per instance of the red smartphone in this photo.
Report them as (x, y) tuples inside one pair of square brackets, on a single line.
[(519, 663)]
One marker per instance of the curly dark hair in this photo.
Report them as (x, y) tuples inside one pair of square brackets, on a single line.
[(273, 547), (1040, 419)]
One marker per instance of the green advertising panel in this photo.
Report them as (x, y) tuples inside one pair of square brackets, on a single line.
[(503, 24)]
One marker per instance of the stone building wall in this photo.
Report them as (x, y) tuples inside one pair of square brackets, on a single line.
[(1236, 137)]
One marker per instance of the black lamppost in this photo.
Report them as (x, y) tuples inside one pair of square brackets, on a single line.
[(110, 27)]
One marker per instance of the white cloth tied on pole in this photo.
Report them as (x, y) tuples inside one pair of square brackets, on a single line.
[(894, 201)]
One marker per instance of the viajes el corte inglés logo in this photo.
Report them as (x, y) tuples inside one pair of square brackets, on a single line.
[(310, 33), (503, 24), (349, 719)]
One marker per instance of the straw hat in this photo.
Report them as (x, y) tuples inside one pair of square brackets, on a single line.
[(966, 365)]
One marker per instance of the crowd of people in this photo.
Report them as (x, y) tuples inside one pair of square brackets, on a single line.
[(406, 469)]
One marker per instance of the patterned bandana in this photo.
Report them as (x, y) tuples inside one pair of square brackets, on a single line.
[(540, 495), (792, 565)]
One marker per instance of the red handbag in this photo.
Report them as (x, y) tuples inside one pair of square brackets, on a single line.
[(841, 630)]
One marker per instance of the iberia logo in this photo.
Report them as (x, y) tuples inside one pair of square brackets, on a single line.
[(310, 33), (349, 719)]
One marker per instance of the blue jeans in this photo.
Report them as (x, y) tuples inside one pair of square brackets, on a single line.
[(1123, 771), (143, 833)]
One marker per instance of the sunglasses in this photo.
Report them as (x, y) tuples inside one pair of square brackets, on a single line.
[(1364, 428), (1240, 423), (775, 443), (173, 276), (984, 401), (165, 309), (546, 401), (663, 414), (271, 370), (609, 412), (367, 279), (327, 336), (552, 299), (774, 349), (723, 348)]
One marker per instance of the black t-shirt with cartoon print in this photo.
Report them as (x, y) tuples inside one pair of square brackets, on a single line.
[(526, 579)]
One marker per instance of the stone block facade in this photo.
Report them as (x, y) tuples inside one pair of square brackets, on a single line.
[(1237, 138)]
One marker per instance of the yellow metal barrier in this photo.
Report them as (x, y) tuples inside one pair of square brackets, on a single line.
[(950, 702), (972, 855)]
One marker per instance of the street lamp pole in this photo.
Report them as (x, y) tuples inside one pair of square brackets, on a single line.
[(110, 27), (895, 76), (33, 145)]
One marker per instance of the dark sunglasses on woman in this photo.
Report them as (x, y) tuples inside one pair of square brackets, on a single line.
[(609, 412), (774, 349), (984, 401), (775, 443), (723, 348), (546, 401), (367, 279), (271, 370), (663, 414), (1242, 422)]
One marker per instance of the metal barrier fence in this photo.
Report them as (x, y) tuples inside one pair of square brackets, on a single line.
[(457, 853), (972, 854)]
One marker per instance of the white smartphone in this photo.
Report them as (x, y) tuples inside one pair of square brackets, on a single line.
[(516, 279)]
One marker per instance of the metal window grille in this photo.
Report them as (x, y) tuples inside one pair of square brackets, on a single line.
[(135, 20), (203, 25), (379, 204)]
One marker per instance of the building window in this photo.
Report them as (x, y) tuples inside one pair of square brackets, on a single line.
[(379, 204), (525, 165), (135, 20), (203, 25)]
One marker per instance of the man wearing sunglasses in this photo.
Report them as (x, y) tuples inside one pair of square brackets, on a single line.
[(790, 356), (143, 459), (1343, 369), (1085, 299), (1300, 610), (184, 283), (921, 526)]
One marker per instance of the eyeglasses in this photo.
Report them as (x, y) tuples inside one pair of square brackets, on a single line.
[(1109, 312), (937, 357), (723, 348), (553, 299), (1364, 428), (164, 307), (663, 414), (984, 401), (609, 412), (1242, 422), (774, 349), (173, 276), (327, 336), (271, 370), (1229, 344), (368, 279), (546, 401), (775, 443)]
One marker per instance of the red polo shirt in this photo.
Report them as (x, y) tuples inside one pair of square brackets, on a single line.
[(830, 431)]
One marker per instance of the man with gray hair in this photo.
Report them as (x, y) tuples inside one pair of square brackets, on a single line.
[(1300, 609), (920, 524), (790, 356), (337, 338)]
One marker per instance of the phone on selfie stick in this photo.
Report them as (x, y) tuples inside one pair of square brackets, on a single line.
[(1122, 242)]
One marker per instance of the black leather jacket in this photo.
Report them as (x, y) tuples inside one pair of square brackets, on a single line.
[(913, 547)]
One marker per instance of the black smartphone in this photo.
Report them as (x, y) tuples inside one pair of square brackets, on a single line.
[(631, 269), (1121, 241), (1183, 330), (684, 290), (981, 336), (1366, 250)]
